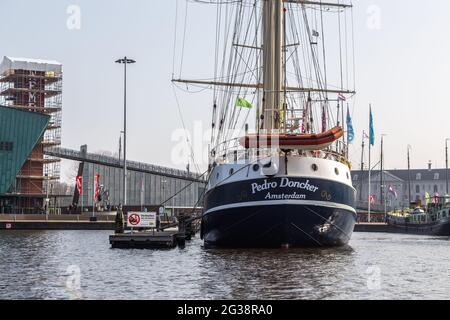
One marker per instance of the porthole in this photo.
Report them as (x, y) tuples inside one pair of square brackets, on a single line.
[(314, 167), (336, 170), (255, 167), (231, 171)]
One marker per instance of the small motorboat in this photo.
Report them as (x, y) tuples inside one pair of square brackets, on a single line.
[(298, 141)]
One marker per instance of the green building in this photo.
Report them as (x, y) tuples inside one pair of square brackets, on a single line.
[(20, 132)]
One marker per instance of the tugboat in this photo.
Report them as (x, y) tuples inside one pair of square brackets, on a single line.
[(433, 220), (288, 184)]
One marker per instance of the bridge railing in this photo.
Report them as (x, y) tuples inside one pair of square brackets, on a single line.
[(112, 161)]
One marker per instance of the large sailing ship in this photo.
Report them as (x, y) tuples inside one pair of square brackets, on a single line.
[(287, 183)]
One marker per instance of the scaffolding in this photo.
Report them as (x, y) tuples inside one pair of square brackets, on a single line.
[(35, 85)]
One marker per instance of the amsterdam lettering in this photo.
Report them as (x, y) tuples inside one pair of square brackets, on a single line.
[(284, 183)]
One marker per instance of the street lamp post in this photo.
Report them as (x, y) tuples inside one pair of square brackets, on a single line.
[(120, 161), (125, 61), (382, 175), (47, 200)]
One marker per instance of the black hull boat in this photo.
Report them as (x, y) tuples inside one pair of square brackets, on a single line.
[(303, 215), (278, 226), (439, 228)]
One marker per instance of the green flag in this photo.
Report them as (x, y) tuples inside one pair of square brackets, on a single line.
[(240, 102)]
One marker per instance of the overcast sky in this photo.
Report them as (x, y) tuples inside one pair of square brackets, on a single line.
[(402, 55)]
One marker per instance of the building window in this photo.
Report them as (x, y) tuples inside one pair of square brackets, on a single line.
[(419, 176), (6, 146), (355, 177), (436, 176), (435, 189), (417, 189)]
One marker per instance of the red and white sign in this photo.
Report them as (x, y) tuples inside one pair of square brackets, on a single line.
[(80, 185), (141, 219)]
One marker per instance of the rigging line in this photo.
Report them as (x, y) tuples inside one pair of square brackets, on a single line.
[(216, 66), (202, 88), (340, 48), (184, 37), (175, 38), (257, 62), (323, 48), (233, 64), (353, 49), (296, 63), (216, 56), (225, 49), (235, 118), (247, 67), (182, 189), (315, 58), (258, 53), (215, 2), (346, 49), (185, 130)]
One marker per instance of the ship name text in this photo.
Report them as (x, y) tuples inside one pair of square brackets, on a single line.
[(284, 183)]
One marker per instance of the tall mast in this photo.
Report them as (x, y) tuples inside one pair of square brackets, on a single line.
[(409, 178), (273, 57), (382, 173), (362, 167)]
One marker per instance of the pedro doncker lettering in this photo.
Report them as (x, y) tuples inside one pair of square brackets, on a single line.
[(284, 184)]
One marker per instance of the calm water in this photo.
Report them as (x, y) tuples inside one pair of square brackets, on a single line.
[(81, 265)]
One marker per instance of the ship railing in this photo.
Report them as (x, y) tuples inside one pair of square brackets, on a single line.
[(231, 151)]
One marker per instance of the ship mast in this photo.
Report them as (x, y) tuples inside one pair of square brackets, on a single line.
[(273, 68), (273, 84)]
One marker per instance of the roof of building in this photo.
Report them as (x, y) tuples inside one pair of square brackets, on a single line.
[(21, 130), (10, 63), (425, 174)]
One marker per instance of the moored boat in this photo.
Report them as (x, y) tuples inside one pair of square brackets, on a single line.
[(434, 219), (288, 182)]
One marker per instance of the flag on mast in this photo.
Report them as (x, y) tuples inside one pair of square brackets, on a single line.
[(372, 131), (350, 130), (79, 181), (96, 186), (242, 103), (393, 192)]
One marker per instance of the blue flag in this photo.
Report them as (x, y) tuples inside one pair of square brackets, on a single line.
[(372, 132), (350, 131)]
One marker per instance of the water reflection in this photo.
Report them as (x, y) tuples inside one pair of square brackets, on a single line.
[(273, 274), (45, 265)]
